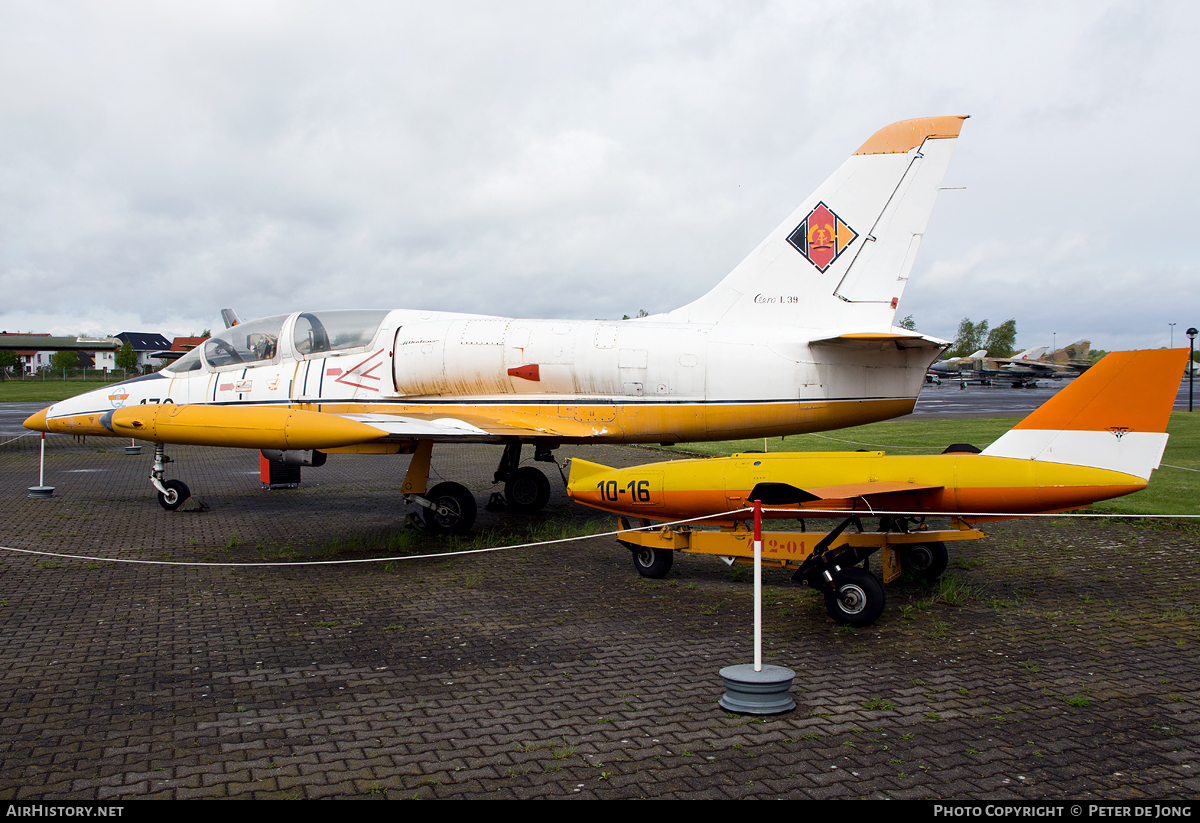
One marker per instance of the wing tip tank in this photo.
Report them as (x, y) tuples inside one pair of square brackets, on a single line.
[(274, 427)]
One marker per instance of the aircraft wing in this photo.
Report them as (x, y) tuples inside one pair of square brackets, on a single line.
[(482, 424), (406, 426), (854, 490), (1030, 365), (430, 427), (783, 494)]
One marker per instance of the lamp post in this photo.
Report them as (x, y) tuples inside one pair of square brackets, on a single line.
[(1172, 325), (1191, 333)]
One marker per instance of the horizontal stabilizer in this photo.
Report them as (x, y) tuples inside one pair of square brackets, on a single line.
[(865, 339)]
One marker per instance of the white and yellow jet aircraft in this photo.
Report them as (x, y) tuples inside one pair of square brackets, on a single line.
[(798, 338)]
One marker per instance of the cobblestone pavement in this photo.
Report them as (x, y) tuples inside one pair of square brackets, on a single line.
[(1060, 660)]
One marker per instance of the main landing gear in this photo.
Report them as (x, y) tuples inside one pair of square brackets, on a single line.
[(450, 507), (526, 488), (447, 508)]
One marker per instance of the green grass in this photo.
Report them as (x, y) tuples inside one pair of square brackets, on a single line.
[(46, 391)]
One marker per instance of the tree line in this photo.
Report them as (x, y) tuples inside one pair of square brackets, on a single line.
[(1000, 341)]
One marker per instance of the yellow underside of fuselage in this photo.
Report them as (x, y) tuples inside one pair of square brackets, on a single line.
[(567, 421)]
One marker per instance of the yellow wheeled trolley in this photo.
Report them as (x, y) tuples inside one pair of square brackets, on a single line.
[(827, 561)]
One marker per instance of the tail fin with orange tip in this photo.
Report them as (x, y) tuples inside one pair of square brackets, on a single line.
[(1113, 416)]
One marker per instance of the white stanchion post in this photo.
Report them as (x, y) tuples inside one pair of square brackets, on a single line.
[(753, 689), (41, 490), (757, 586)]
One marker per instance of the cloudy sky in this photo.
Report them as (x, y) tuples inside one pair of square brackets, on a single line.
[(160, 161)]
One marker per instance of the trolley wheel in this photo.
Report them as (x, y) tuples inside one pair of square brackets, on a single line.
[(527, 490), (651, 562), (177, 492), (858, 600), (459, 500), (926, 560)]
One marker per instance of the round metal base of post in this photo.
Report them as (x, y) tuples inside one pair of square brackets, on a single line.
[(751, 692), (133, 449), (41, 492)]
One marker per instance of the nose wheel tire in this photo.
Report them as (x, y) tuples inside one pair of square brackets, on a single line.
[(527, 490), (460, 503), (858, 600), (926, 560), (653, 563), (177, 492)]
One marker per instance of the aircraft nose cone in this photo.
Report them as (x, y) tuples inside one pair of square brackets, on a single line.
[(37, 421)]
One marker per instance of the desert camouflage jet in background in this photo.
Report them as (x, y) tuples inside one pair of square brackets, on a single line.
[(1021, 370)]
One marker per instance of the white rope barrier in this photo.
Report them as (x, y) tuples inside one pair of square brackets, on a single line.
[(654, 526), (395, 558), (18, 437), (1005, 515)]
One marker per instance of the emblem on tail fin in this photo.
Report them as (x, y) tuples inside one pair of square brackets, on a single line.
[(822, 237)]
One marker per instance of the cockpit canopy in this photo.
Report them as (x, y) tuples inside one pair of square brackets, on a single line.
[(253, 342), (189, 362), (317, 332), (258, 340)]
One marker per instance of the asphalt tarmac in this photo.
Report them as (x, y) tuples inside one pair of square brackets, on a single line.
[(951, 400), (12, 415), (1061, 662)]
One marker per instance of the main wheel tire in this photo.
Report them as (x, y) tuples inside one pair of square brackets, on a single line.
[(859, 599), (926, 560), (527, 490), (461, 503), (654, 563), (177, 492)]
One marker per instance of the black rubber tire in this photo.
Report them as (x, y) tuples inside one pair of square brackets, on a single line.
[(459, 500), (927, 561), (177, 492), (652, 563), (527, 490), (859, 600)]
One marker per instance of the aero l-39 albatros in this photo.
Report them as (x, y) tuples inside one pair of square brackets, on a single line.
[(798, 338)]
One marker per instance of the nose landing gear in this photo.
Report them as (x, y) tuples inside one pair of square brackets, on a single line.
[(171, 493)]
